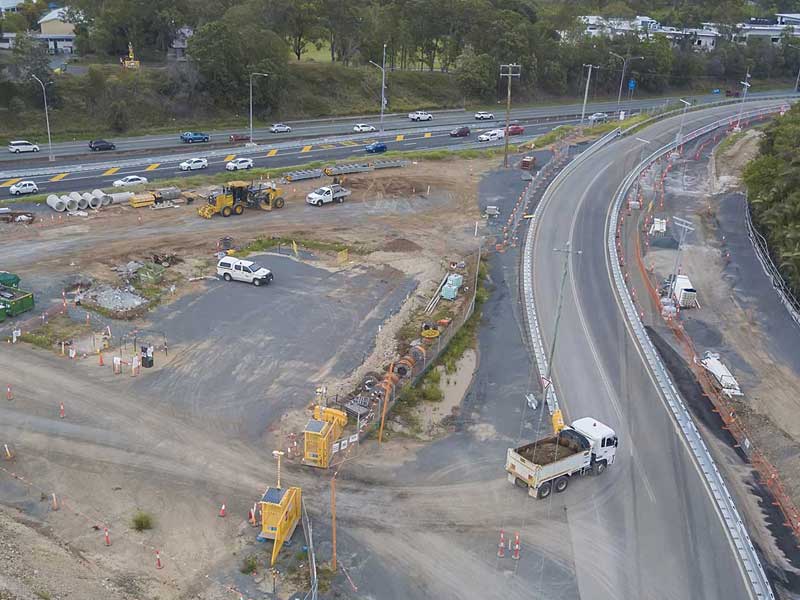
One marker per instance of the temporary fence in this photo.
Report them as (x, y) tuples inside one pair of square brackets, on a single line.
[(308, 533)]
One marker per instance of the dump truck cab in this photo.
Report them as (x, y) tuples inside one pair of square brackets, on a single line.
[(603, 439)]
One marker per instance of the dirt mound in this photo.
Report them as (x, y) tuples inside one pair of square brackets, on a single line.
[(401, 245)]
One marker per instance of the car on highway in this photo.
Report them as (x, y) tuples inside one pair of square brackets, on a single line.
[(130, 180), (516, 129), (239, 137), (18, 146), (239, 163), (363, 128), (375, 148), (460, 132), (193, 164), (98, 145), (193, 137), (491, 135), (420, 115), (23, 187), (280, 128), (482, 115), (598, 117)]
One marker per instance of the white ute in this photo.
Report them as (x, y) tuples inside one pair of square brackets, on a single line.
[(329, 193), (586, 446), (230, 268), (420, 115)]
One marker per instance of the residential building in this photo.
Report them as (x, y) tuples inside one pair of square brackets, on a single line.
[(644, 27), (55, 23), (177, 48), (9, 6)]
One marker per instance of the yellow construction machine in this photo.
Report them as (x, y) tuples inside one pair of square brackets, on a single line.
[(238, 195)]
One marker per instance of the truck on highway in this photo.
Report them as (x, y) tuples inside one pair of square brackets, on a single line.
[(585, 446), (329, 193)]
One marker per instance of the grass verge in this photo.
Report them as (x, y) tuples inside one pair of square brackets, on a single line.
[(264, 244), (59, 328)]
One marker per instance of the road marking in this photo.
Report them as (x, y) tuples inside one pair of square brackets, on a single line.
[(153, 167), (272, 152), (111, 171), (229, 158), (305, 149), (410, 144), (59, 177), (427, 134), (349, 143), (10, 182), (328, 146), (400, 137)]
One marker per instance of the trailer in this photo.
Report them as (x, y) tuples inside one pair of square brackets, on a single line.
[(586, 446)]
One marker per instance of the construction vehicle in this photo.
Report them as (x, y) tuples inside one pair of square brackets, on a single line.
[(327, 194), (129, 62), (238, 195), (586, 446)]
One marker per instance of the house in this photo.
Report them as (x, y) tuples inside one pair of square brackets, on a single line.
[(180, 41), (644, 27), (773, 29), (55, 23), (9, 6)]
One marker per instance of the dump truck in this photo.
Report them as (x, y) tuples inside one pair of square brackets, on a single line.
[(585, 446)]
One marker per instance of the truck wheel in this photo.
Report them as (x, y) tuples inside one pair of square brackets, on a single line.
[(226, 211), (599, 467), (340, 199), (256, 282), (544, 490), (238, 209), (278, 202), (561, 484), (520, 482), (319, 202), (227, 277)]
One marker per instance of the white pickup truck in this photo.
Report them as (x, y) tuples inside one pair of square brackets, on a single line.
[(586, 446), (329, 193), (420, 115)]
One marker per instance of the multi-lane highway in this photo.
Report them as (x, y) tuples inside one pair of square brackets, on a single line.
[(649, 528)]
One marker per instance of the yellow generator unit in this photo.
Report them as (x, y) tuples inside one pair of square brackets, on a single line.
[(320, 434), (280, 513)]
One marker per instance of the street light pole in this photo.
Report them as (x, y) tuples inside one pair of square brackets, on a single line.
[(46, 118), (686, 105), (509, 71), (796, 81), (251, 101), (746, 86), (625, 60), (382, 67), (586, 91)]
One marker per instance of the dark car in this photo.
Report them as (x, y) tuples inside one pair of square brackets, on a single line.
[(376, 147), (732, 94), (460, 132), (96, 145), (516, 130), (239, 137)]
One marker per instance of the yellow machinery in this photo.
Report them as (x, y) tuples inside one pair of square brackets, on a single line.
[(280, 513), (130, 61), (558, 421), (238, 195), (320, 434)]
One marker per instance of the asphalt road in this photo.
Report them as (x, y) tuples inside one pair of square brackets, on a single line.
[(315, 128), (648, 528)]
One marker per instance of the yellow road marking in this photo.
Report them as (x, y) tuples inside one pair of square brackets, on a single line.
[(400, 137), (349, 143), (305, 149), (272, 152), (229, 158), (328, 146), (111, 171), (59, 177), (10, 182), (427, 134), (153, 167)]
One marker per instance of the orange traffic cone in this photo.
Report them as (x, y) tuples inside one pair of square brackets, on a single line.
[(54, 502), (106, 536), (61, 413), (158, 560), (515, 555), (9, 393), (501, 547), (100, 359), (251, 518), (222, 510)]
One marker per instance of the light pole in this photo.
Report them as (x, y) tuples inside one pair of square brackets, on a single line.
[(625, 60), (509, 71), (686, 105), (251, 101), (641, 159), (796, 81), (586, 91), (745, 86), (46, 118), (382, 67)]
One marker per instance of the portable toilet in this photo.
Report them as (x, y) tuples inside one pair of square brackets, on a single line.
[(455, 279), (449, 292)]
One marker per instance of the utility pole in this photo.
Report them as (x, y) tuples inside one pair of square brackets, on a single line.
[(685, 227), (625, 60), (251, 104), (509, 71), (745, 87), (586, 91), (333, 521), (796, 81), (641, 160), (382, 67), (277, 454), (567, 251), (46, 118)]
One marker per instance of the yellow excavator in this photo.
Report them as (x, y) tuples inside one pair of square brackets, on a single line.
[(238, 195)]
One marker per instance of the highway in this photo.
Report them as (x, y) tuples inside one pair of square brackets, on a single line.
[(650, 528)]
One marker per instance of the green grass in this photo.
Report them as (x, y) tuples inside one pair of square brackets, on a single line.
[(729, 141), (57, 329), (142, 521), (249, 565), (264, 244)]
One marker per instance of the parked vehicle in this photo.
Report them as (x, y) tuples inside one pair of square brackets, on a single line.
[(482, 115), (23, 187), (231, 269), (328, 194), (192, 137), (732, 93), (193, 164), (460, 132), (130, 180), (363, 128), (100, 145), (239, 163), (239, 137), (376, 148), (420, 115), (516, 130), (18, 146), (280, 128), (492, 135), (586, 446), (598, 117)]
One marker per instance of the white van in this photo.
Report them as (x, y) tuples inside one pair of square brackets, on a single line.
[(230, 268), (18, 146)]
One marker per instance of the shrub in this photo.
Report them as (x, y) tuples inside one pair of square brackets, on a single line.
[(142, 521)]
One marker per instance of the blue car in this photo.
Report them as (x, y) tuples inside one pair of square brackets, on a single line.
[(191, 137), (375, 148)]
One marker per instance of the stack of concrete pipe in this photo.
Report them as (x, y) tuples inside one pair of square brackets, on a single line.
[(94, 200)]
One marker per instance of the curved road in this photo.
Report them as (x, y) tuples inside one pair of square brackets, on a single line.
[(648, 528)]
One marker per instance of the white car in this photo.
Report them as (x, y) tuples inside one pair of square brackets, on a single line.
[(18, 146), (598, 117), (23, 187), (420, 115), (280, 128), (239, 163), (193, 164), (230, 268), (130, 180), (491, 136), (482, 115), (363, 128)]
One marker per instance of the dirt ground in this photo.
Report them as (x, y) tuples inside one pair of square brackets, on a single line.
[(118, 450)]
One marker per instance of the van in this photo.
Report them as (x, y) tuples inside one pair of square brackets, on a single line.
[(230, 268), (18, 146)]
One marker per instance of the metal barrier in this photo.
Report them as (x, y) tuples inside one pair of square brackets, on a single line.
[(308, 533), (304, 174)]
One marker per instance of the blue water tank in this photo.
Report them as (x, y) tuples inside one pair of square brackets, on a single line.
[(449, 292), (455, 279)]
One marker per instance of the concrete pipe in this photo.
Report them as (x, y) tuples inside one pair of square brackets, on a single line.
[(104, 198), (71, 203), (56, 203), (120, 197), (92, 202), (83, 204), (169, 193)]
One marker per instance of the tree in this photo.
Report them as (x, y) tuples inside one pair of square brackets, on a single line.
[(29, 57), (32, 12), (476, 75), (302, 24), (13, 23)]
